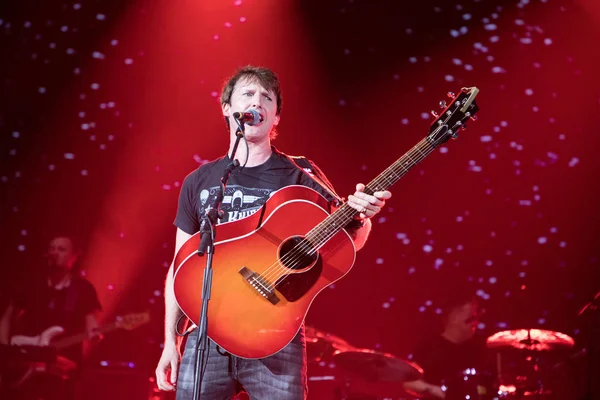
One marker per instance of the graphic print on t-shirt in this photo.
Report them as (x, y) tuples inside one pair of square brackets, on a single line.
[(238, 202)]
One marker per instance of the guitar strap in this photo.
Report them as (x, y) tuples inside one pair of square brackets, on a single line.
[(71, 297), (312, 171)]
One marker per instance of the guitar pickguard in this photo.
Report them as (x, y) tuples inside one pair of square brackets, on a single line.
[(294, 286)]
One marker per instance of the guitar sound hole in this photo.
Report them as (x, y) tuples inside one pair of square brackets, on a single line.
[(297, 253)]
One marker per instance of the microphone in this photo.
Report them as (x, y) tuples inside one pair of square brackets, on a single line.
[(251, 117)]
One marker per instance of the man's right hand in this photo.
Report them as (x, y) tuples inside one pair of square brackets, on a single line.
[(168, 366)]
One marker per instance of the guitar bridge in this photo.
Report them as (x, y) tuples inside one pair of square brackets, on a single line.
[(259, 284)]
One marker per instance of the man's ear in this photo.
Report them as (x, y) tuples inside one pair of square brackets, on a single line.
[(226, 108), (276, 120)]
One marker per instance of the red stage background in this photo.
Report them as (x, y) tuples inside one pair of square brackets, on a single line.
[(106, 106)]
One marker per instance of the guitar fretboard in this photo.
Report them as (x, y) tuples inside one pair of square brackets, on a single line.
[(80, 337), (320, 234)]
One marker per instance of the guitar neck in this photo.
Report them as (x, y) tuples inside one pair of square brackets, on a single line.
[(80, 337), (343, 215)]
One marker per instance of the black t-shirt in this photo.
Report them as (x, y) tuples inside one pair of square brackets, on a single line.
[(443, 361), (43, 306), (247, 189)]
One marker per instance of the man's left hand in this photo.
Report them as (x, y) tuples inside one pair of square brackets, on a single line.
[(368, 206)]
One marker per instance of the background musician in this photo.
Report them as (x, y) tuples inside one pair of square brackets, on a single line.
[(444, 356), (57, 296)]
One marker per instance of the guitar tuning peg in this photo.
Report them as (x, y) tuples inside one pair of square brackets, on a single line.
[(463, 127), (443, 104), (473, 118), (434, 113), (450, 94)]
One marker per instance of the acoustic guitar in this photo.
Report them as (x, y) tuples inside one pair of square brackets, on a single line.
[(269, 266)]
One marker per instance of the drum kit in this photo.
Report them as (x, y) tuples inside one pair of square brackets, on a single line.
[(339, 371)]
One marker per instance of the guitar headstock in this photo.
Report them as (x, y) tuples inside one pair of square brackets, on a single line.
[(454, 116), (132, 321)]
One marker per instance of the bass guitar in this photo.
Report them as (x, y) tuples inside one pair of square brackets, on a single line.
[(47, 337)]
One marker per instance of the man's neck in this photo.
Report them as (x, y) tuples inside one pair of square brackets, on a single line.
[(259, 153), (59, 279)]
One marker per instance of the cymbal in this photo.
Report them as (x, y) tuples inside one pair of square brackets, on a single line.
[(530, 339), (376, 366), (321, 345), (313, 335)]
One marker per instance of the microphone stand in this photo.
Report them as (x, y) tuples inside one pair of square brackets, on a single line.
[(208, 229)]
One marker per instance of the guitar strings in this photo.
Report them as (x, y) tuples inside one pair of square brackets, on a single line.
[(306, 248), (301, 250), (280, 269)]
